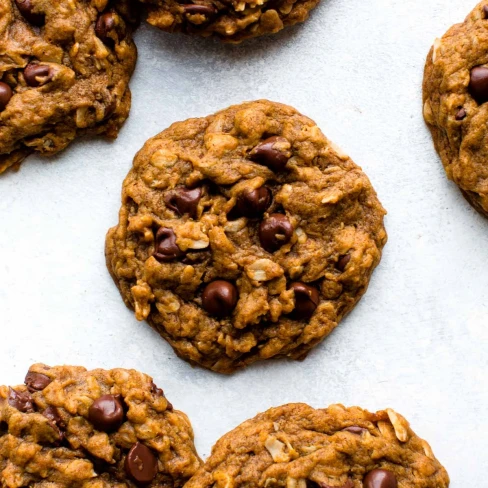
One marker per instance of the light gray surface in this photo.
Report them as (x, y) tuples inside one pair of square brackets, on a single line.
[(418, 340)]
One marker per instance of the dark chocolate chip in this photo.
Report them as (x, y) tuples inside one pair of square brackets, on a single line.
[(275, 231), (107, 413), (141, 464), (5, 95), (253, 203), (166, 248), (307, 299), (265, 153), (485, 11), (380, 478), (37, 74), (104, 26), (21, 400), (219, 298), (26, 9), (3, 428), (52, 414), (207, 10), (160, 393), (355, 429), (478, 84), (36, 381), (461, 114), (184, 201), (343, 262)]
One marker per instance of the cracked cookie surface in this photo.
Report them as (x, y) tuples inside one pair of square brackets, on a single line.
[(69, 427), (64, 72), (296, 446), (455, 92), (244, 235), (229, 20)]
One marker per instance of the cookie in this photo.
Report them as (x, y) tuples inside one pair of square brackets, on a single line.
[(64, 72), (69, 427), (228, 20), (296, 446), (455, 92), (244, 235)]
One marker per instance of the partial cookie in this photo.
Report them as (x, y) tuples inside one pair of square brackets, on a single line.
[(229, 20), (455, 93), (244, 235), (69, 427), (64, 72), (296, 446)]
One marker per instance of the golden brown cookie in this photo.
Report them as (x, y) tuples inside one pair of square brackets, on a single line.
[(69, 427), (64, 72), (455, 93), (244, 235), (229, 20), (296, 446)]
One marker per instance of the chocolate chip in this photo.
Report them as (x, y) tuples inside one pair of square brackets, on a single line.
[(380, 478), (52, 414), (36, 381), (274, 232), (219, 298), (21, 400), (37, 74), (478, 84), (265, 153), (461, 114), (104, 26), (26, 9), (307, 299), (184, 201), (141, 464), (199, 9), (166, 248), (5, 95), (355, 429), (160, 393), (253, 203), (343, 262), (107, 413), (485, 11)]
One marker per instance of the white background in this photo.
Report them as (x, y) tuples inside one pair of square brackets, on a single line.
[(418, 340)]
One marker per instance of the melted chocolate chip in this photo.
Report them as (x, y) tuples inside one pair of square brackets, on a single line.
[(166, 248), (485, 11), (159, 392), (219, 298), (355, 429), (5, 95), (274, 232), (184, 201), (107, 413), (141, 464), (380, 478), (207, 10), (21, 400), (266, 153), (343, 262), (26, 8), (478, 84), (52, 414), (253, 203), (36, 381), (461, 114), (37, 74), (307, 299), (104, 26)]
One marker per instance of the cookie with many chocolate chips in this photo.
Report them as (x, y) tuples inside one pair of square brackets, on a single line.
[(296, 446), (64, 72), (455, 95), (69, 427), (244, 235), (229, 20)]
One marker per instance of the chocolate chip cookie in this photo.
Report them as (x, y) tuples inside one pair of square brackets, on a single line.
[(64, 72), (455, 94), (296, 446), (229, 20), (244, 235), (69, 427)]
